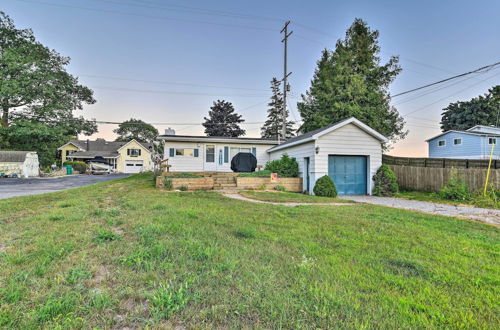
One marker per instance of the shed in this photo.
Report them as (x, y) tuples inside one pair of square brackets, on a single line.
[(21, 163), (349, 151)]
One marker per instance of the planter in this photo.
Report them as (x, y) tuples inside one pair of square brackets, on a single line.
[(190, 183), (291, 184)]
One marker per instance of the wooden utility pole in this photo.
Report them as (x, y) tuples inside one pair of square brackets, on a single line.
[(285, 76)]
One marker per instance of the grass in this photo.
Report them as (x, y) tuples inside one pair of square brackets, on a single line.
[(477, 199), (282, 197), (183, 175), (256, 174), (201, 260)]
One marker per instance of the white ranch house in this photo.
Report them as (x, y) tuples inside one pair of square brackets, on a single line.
[(349, 151)]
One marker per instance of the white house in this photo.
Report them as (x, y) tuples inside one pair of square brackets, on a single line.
[(349, 151), (21, 163)]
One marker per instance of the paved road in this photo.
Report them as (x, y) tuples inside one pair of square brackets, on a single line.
[(33, 186), (467, 212)]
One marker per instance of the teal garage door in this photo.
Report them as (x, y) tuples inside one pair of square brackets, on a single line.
[(348, 173)]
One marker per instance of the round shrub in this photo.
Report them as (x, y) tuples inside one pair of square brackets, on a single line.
[(455, 190), (385, 182), (286, 167), (325, 187)]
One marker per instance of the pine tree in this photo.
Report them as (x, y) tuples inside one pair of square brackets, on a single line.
[(272, 128), (223, 121), (351, 82)]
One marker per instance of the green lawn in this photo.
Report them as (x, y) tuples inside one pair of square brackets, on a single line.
[(271, 196), (123, 254), (477, 199)]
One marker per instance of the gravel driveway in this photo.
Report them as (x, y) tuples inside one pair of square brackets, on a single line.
[(478, 214), (33, 186)]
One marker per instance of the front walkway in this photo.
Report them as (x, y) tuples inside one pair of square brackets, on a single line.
[(246, 199), (459, 211)]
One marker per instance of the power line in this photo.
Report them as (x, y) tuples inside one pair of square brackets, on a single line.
[(178, 124), (486, 67), (120, 89)]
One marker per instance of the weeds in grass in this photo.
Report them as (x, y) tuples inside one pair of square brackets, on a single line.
[(168, 299), (246, 232), (76, 275), (56, 306), (64, 205), (99, 301), (105, 236), (56, 218)]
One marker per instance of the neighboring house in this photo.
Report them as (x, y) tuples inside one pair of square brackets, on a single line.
[(124, 157), (349, 152), (22, 163), (474, 143)]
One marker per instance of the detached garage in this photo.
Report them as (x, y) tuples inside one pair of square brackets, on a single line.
[(349, 151)]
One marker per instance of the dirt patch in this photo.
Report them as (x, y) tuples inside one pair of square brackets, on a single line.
[(3, 248), (117, 231), (100, 274)]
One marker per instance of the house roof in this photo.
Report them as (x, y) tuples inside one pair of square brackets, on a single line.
[(13, 156), (222, 139), (313, 135), (102, 146), (462, 132), (92, 154)]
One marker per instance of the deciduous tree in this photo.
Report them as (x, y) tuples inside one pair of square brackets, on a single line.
[(136, 129)]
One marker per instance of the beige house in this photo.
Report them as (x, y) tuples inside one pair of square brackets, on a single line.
[(124, 157), (20, 163)]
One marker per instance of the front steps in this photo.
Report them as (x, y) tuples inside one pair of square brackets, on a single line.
[(225, 181)]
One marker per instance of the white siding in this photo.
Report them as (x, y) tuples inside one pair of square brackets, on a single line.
[(197, 164), (349, 140), (299, 152)]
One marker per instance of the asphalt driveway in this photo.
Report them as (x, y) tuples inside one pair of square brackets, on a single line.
[(33, 186)]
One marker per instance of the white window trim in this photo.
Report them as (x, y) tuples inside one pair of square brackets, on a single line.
[(444, 145), (457, 144)]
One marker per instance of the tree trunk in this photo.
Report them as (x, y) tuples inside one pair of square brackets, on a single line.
[(5, 115)]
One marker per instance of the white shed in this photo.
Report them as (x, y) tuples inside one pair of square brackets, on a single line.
[(21, 163), (349, 151)]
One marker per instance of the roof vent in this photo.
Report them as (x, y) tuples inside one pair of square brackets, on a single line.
[(169, 131)]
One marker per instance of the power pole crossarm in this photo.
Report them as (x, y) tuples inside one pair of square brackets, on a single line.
[(285, 76)]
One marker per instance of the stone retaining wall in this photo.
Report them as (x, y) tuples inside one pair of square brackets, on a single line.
[(204, 183), (291, 184)]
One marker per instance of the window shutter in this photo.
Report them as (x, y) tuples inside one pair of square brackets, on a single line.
[(140, 152), (254, 151), (196, 152), (226, 154), (128, 152), (172, 152)]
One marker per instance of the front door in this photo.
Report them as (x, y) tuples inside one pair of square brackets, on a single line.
[(306, 173), (349, 173), (210, 162)]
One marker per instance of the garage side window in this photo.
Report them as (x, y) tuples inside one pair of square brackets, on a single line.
[(134, 152)]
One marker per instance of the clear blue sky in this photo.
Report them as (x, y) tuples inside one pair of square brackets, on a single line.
[(183, 52)]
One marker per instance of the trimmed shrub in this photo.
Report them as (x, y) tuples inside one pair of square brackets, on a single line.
[(77, 166), (385, 182), (325, 187), (286, 167), (456, 190)]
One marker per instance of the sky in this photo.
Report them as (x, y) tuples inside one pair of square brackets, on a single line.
[(166, 61)]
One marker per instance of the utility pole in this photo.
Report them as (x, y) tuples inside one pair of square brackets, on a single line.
[(285, 76)]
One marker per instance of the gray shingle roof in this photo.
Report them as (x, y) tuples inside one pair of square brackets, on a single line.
[(13, 156), (104, 146)]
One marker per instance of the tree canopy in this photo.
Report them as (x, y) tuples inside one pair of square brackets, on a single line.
[(481, 110), (223, 121), (351, 81), (136, 129), (272, 128), (36, 91)]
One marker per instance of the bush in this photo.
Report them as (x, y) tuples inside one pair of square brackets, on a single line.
[(456, 190), (286, 167), (256, 174), (183, 188), (280, 188), (385, 182), (77, 166), (325, 187), (167, 183)]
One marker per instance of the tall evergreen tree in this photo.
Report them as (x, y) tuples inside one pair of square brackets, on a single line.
[(351, 81), (273, 127), (223, 121), (481, 110)]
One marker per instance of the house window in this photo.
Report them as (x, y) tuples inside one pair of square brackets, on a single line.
[(441, 143), (184, 152), (235, 150), (492, 140), (210, 154), (69, 152), (457, 142), (134, 152)]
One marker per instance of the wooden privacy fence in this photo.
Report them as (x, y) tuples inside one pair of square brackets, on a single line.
[(434, 178), (440, 162)]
